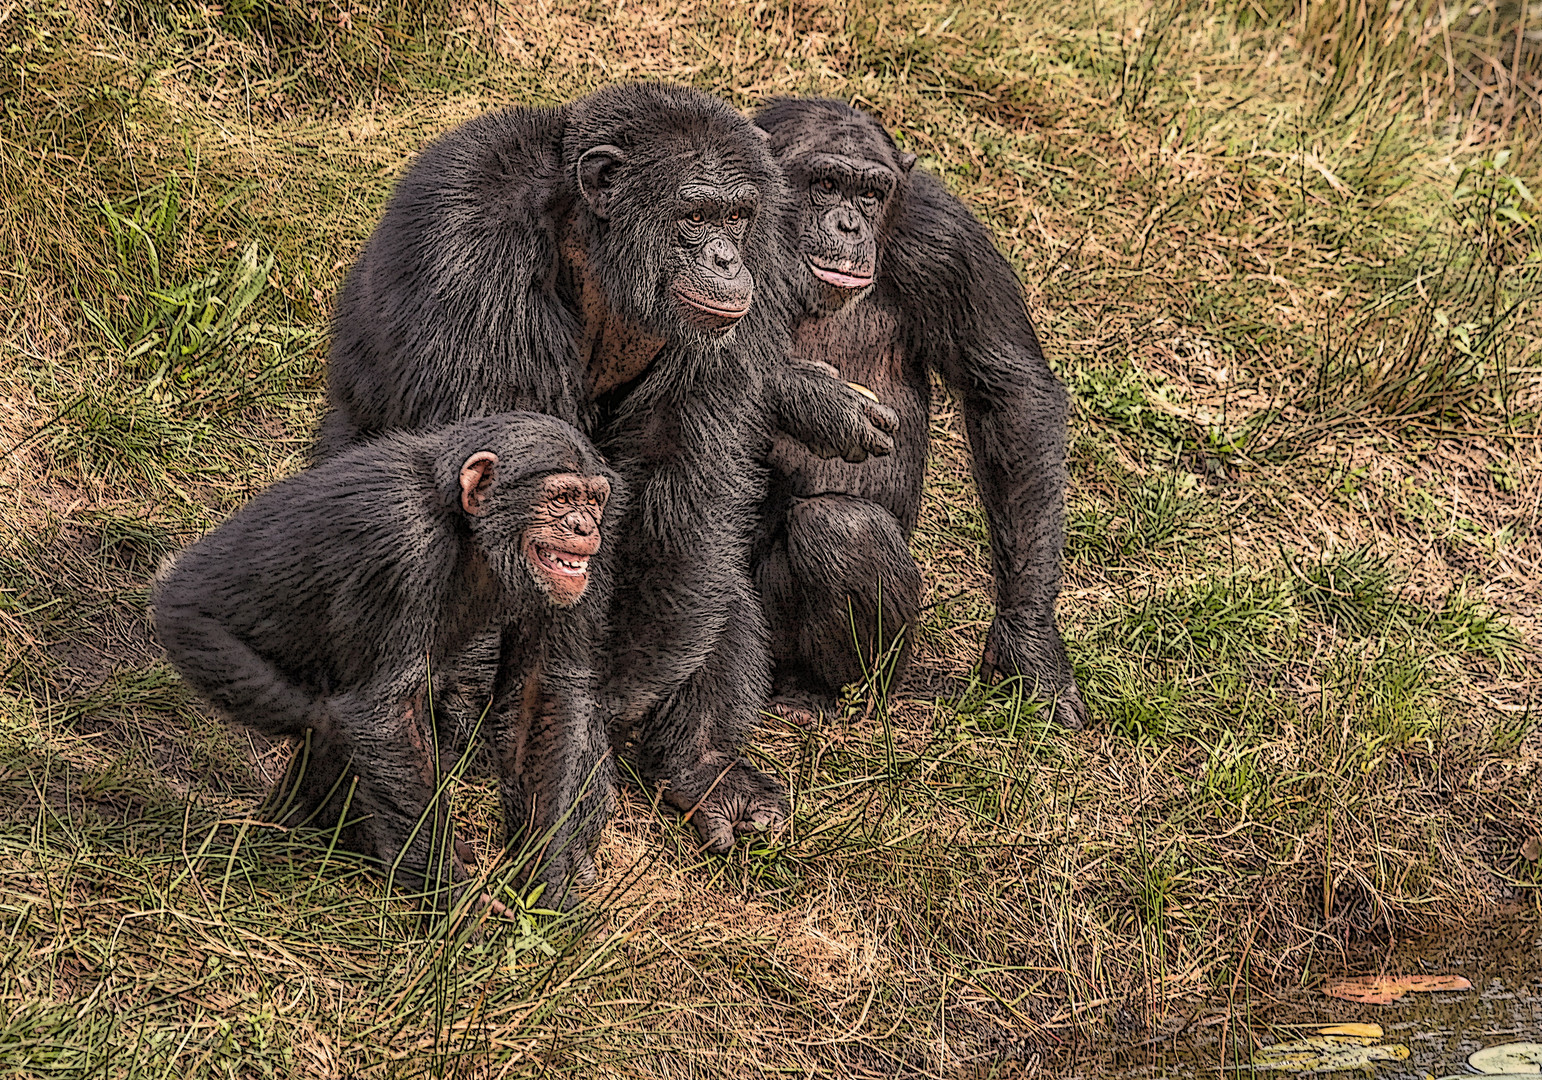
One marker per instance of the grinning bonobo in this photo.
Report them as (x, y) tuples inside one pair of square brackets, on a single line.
[(339, 599), (610, 262), (894, 280)]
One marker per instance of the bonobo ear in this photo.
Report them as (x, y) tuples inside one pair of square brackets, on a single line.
[(907, 161), (476, 481), (596, 171)]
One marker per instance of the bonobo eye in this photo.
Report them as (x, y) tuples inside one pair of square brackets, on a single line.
[(695, 218), (825, 184), (870, 193)]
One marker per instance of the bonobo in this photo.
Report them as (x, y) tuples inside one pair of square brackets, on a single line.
[(610, 262), (337, 600), (895, 279)]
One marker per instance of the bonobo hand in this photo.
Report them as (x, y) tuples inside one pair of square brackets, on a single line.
[(1020, 644), (735, 798), (833, 418)]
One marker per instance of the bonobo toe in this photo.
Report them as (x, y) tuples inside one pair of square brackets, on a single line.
[(744, 801)]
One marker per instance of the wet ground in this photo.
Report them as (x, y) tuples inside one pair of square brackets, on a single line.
[(1502, 960)]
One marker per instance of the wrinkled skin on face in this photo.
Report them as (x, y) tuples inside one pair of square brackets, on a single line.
[(705, 210), (712, 285), (564, 534), (846, 203)]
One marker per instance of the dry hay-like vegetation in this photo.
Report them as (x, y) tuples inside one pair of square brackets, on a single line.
[(1285, 256)]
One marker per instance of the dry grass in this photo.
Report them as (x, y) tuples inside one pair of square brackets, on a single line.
[(1287, 260)]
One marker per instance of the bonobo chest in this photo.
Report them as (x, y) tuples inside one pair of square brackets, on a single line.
[(863, 344), (613, 351)]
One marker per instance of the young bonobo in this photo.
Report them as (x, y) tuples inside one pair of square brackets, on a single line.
[(895, 279), (338, 600)]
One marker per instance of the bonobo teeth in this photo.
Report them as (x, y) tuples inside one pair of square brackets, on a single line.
[(573, 564)]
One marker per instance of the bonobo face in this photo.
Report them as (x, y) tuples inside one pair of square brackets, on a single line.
[(843, 209), (564, 533), (711, 284)]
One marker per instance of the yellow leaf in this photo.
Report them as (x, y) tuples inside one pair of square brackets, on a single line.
[(1367, 1031)]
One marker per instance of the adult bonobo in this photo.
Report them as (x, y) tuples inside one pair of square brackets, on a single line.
[(611, 262), (337, 601), (897, 279)]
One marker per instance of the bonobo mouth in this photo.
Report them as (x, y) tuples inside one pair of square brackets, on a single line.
[(569, 563), (566, 572), (843, 274), (719, 314)]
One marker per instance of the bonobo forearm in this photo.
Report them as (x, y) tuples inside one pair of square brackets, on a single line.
[(238, 682), (1017, 439)]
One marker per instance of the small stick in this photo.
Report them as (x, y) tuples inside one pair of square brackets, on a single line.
[(709, 790)]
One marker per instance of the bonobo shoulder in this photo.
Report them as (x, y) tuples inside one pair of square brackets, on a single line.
[(490, 164), (939, 251)]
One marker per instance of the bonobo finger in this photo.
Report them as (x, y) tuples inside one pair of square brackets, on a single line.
[(878, 445), (819, 366), (882, 417), (762, 820), (497, 907)]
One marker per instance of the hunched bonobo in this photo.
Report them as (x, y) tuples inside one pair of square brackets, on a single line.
[(611, 262), (893, 279), (339, 600)]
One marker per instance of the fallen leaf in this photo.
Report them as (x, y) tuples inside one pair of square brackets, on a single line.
[(1367, 1031), (1385, 989), (1532, 848), (1517, 1058), (1306, 1056)]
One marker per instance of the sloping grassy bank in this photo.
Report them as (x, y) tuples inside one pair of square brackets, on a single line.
[(1287, 263)]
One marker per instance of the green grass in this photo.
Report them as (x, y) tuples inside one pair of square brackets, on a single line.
[(1286, 259)]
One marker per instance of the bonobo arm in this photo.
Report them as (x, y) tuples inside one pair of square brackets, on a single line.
[(809, 401), (969, 321), (226, 672)]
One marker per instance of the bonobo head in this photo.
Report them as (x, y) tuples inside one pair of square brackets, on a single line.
[(672, 187), (534, 492), (847, 179)]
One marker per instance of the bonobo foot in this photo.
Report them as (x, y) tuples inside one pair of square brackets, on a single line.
[(1030, 648), (735, 798), (807, 709), (799, 699)]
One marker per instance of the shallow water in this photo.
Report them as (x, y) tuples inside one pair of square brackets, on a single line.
[(1503, 961)]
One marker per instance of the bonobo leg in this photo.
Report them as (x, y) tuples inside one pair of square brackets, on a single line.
[(371, 767), (842, 594), (557, 775), (690, 741)]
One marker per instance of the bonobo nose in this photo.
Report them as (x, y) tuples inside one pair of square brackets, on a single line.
[(580, 523), (724, 257), (847, 222)]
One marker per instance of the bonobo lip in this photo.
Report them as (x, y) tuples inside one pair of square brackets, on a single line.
[(723, 313), (849, 277)]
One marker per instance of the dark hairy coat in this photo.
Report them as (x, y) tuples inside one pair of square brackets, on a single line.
[(942, 300), (491, 283), (338, 602)]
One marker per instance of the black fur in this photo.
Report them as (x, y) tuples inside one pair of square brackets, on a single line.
[(339, 600), (895, 279), (536, 258)]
